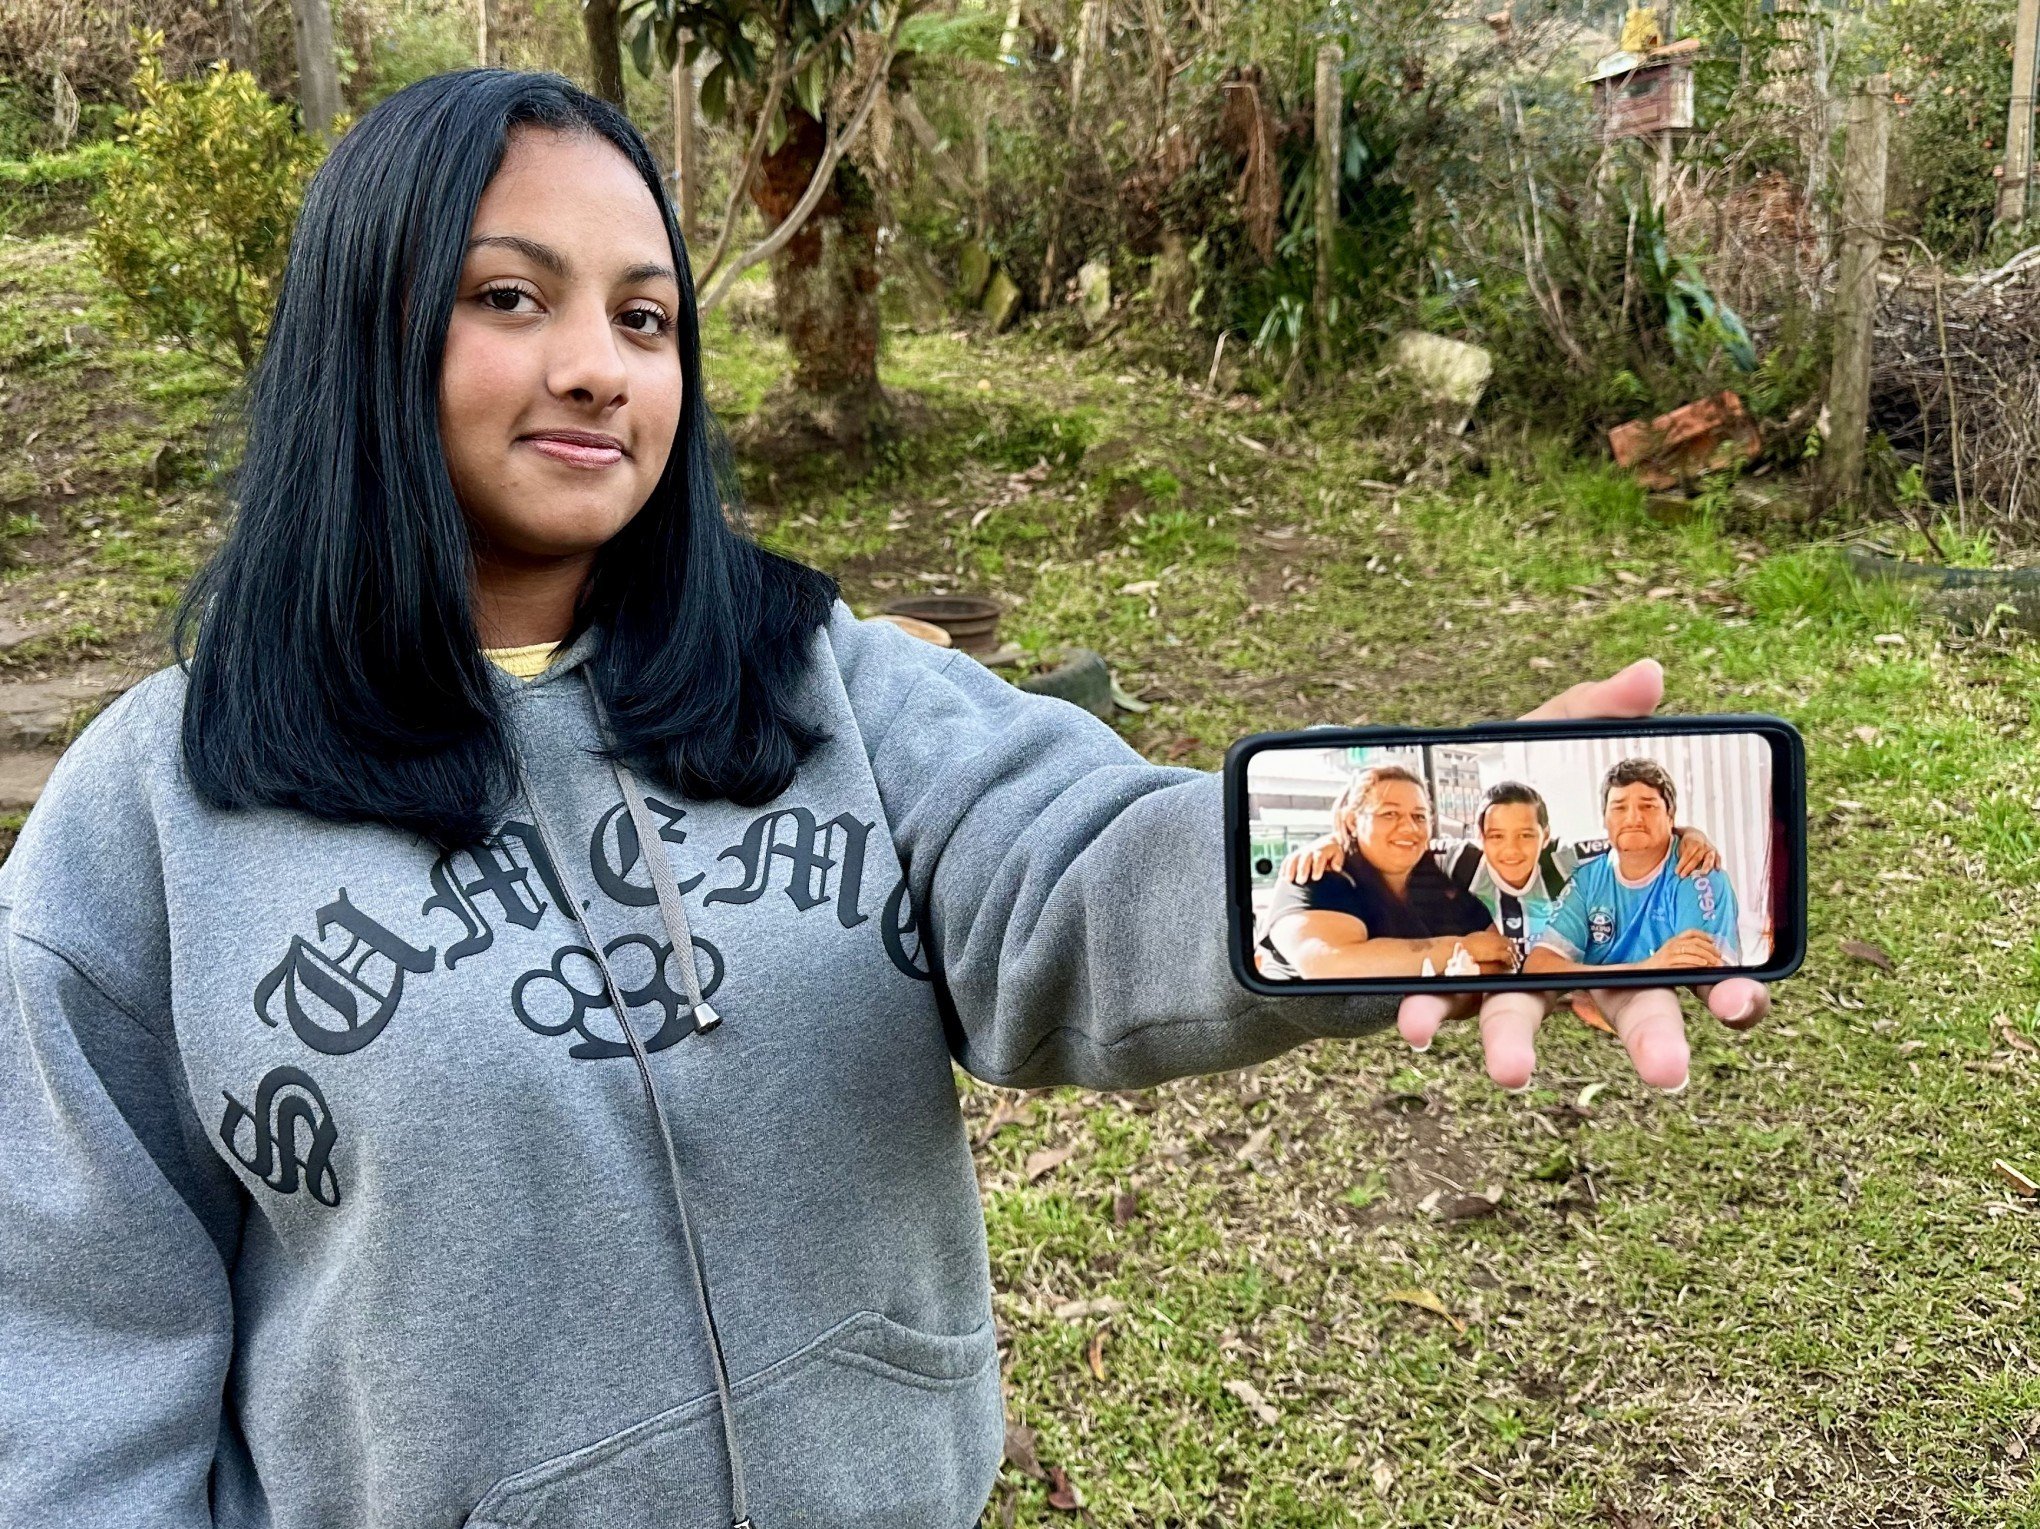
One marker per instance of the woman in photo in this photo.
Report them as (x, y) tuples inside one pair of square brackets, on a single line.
[(1387, 910), (476, 1033)]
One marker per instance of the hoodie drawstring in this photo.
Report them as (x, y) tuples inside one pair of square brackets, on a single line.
[(673, 915)]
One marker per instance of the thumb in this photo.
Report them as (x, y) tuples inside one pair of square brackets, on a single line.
[(1631, 692)]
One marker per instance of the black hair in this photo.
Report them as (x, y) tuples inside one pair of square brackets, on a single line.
[(1641, 772), (330, 644), (1512, 793)]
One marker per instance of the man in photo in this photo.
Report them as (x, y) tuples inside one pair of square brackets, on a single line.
[(1389, 911), (1630, 909), (1512, 864)]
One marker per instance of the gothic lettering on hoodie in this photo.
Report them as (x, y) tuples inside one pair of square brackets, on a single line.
[(291, 1135), (336, 1004), (613, 853), (338, 1001), (900, 925), (500, 868), (552, 1000), (791, 834)]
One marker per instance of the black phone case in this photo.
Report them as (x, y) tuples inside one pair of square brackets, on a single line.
[(1788, 817)]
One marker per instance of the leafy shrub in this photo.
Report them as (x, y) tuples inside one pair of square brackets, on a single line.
[(195, 219)]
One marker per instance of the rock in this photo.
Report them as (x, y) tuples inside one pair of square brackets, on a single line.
[(973, 271), (1002, 301), (36, 713), (1450, 373), (1094, 292)]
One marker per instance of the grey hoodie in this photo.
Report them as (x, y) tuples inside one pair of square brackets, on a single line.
[(330, 1194)]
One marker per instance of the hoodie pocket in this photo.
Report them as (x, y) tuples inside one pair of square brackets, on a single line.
[(871, 1424)]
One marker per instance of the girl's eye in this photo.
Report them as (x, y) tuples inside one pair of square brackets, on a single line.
[(659, 322), (488, 295)]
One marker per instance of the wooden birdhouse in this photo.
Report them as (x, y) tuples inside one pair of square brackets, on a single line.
[(1640, 95)]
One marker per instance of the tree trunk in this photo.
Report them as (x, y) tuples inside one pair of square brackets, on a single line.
[(243, 52), (686, 157), (318, 71), (825, 285), (605, 50), (488, 35)]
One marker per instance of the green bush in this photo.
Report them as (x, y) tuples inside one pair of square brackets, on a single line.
[(195, 219)]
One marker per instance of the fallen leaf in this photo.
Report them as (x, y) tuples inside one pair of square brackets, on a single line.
[(1624, 576), (1020, 1451), (2022, 1184), (2015, 1040), (1100, 1306), (1587, 1097), (1864, 950), (1125, 1207), (1428, 1301), (1263, 1411), (1141, 587), (1253, 1146), (1539, 662), (1061, 1495), (1430, 1201), (1384, 1477), (1866, 734), (1046, 1161), (1095, 1354), (1889, 639), (1009, 1110), (1662, 592)]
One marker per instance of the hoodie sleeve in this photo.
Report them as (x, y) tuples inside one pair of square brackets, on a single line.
[(116, 1321), (1072, 894)]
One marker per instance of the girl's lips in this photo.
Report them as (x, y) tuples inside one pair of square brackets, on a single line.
[(574, 453)]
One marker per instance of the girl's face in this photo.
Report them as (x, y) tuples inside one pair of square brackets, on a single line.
[(559, 389)]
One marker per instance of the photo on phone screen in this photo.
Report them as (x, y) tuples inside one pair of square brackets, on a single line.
[(1521, 855)]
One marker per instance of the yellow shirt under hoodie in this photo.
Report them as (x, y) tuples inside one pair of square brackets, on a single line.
[(525, 663)]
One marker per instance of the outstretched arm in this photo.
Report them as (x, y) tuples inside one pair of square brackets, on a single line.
[(1074, 895)]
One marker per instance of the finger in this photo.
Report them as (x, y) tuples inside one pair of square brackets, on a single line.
[(1631, 692), (1652, 1030), (1419, 1015), (1738, 1002), (1508, 1037)]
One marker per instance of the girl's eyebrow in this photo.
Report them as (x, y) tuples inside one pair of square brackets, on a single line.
[(550, 259)]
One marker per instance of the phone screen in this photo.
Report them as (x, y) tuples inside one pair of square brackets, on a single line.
[(1548, 855)]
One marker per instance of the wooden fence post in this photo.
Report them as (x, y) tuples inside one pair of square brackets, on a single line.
[(1329, 117), (2013, 190), (1863, 181)]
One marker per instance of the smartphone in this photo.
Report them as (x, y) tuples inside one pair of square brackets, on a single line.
[(1642, 852)]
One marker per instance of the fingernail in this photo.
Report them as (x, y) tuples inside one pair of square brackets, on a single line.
[(1743, 1011), (1415, 1047), (1520, 1088), (1678, 1087)]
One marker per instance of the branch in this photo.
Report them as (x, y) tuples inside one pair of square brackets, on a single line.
[(783, 69), (781, 236)]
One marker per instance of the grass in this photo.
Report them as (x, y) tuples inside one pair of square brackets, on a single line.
[(1796, 1293)]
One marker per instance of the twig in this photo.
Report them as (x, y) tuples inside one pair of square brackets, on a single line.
[(791, 224), (1954, 419)]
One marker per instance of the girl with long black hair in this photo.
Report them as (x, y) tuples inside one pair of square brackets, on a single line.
[(476, 1034)]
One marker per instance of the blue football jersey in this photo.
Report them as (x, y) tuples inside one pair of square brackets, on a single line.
[(1601, 920)]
